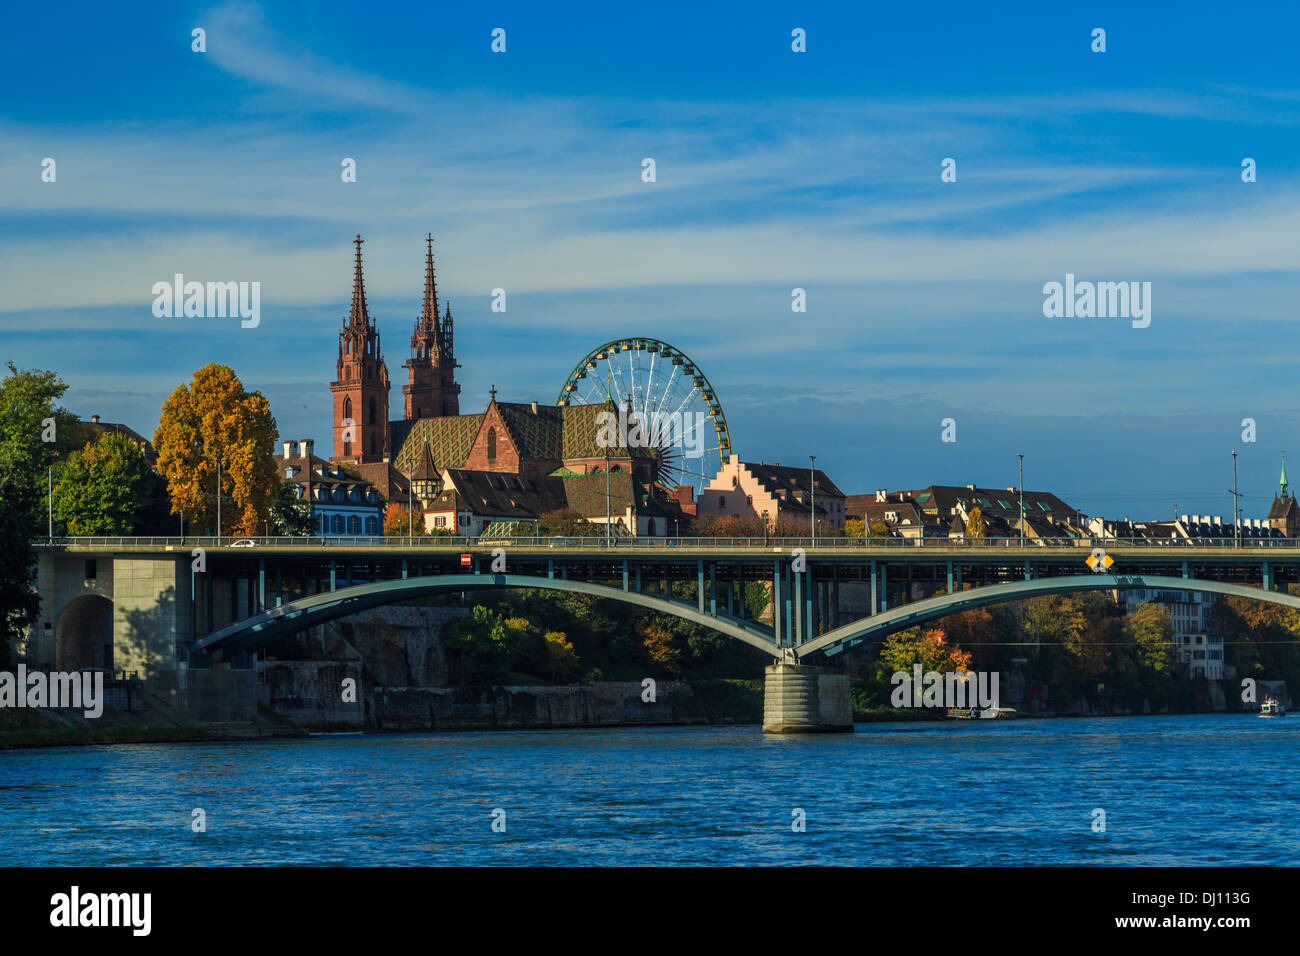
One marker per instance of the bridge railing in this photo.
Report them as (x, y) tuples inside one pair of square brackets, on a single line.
[(448, 543)]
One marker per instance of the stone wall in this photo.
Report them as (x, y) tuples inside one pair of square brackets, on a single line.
[(604, 704), (310, 693), (399, 645)]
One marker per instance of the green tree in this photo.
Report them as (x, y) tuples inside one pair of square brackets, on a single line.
[(101, 489), (34, 432), (290, 515), (1151, 630), (565, 523)]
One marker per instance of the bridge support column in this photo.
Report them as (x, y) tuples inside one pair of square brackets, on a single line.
[(799, 699)]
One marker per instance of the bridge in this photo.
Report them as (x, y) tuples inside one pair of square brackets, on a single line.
[(150, 604)]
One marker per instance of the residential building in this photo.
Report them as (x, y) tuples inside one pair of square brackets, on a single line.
[(775, 493)]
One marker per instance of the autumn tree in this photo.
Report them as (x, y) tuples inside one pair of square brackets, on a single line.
[(975, 525), (214, 419), (562, 661), (101, 488), (660, 645), (397, 521), (928, 647)]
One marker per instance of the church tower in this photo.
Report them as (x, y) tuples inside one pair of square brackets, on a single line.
[(431, 388), (360, 391)]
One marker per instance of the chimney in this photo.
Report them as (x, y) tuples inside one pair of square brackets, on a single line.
[(94, 419), (287, 445), (308, 446), (881, 495), (1218, 519), (970, 487), (534, 408)]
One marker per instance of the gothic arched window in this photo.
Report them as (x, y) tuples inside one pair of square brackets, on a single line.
[(492, 444)]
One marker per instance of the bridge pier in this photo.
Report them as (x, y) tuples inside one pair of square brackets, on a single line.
[(801, 699)]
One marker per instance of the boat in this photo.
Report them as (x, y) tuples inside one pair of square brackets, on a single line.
[(1272, 707), (974, 713)]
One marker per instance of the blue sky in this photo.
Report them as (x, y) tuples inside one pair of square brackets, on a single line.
[(818, 170)]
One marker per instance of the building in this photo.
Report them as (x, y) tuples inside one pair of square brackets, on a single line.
[(774, 493), (902, 517), (1198, 644), (455, 464), (96, 429), (942, 511), (363, 433), (1283, 514), (342, 502)]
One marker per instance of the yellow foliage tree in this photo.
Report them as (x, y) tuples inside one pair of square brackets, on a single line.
[(562, 660), (215, 418), (659, 645), (975, 527)]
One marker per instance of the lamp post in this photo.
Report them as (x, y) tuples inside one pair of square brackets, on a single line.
[(1236, 509), (812, 508), (51, 490), (218, 500), (1022, 500)]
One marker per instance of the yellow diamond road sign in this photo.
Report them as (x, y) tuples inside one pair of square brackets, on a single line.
[(1100, 561)]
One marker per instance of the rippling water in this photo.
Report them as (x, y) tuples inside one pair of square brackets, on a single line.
[(1206, 789)]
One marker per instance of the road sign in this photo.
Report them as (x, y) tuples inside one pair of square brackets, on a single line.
[(466, 560)]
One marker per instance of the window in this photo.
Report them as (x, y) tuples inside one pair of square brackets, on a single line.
[(354, 524), (440, 521), (336, 524), (372, 412), (492, 444), (722, 501), (372, 526), (91, 569), (749, 500)]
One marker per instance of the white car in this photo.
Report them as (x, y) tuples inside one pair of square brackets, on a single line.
[(244, 543)]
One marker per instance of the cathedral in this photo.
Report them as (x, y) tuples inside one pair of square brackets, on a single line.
[(362, 431), (507, 464)]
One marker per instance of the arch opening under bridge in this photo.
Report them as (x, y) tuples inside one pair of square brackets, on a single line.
[(881, 625), (256, 631)]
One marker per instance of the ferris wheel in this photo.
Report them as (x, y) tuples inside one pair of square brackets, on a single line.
[(661, 388)]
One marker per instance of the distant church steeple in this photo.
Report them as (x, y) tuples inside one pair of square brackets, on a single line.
[(431, 388), (360, 389), (1282, 485)]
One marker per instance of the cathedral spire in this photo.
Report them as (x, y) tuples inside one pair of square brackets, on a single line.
[(429, 316), (1282, 482), (359, 315)]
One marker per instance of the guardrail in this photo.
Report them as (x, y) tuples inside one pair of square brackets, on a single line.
[(439, 543)]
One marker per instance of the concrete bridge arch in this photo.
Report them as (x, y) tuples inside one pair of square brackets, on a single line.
[(881, 625)]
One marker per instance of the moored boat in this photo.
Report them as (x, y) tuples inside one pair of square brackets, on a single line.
[(1272, 707)]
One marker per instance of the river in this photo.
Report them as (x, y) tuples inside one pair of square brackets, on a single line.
[(1194, 789)]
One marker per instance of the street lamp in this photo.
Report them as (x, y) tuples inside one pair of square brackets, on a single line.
[(1236, 509), (812, 509), (218, 500), (1022, 500)]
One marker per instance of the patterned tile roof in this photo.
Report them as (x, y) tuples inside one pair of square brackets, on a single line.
[(450, 438)]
